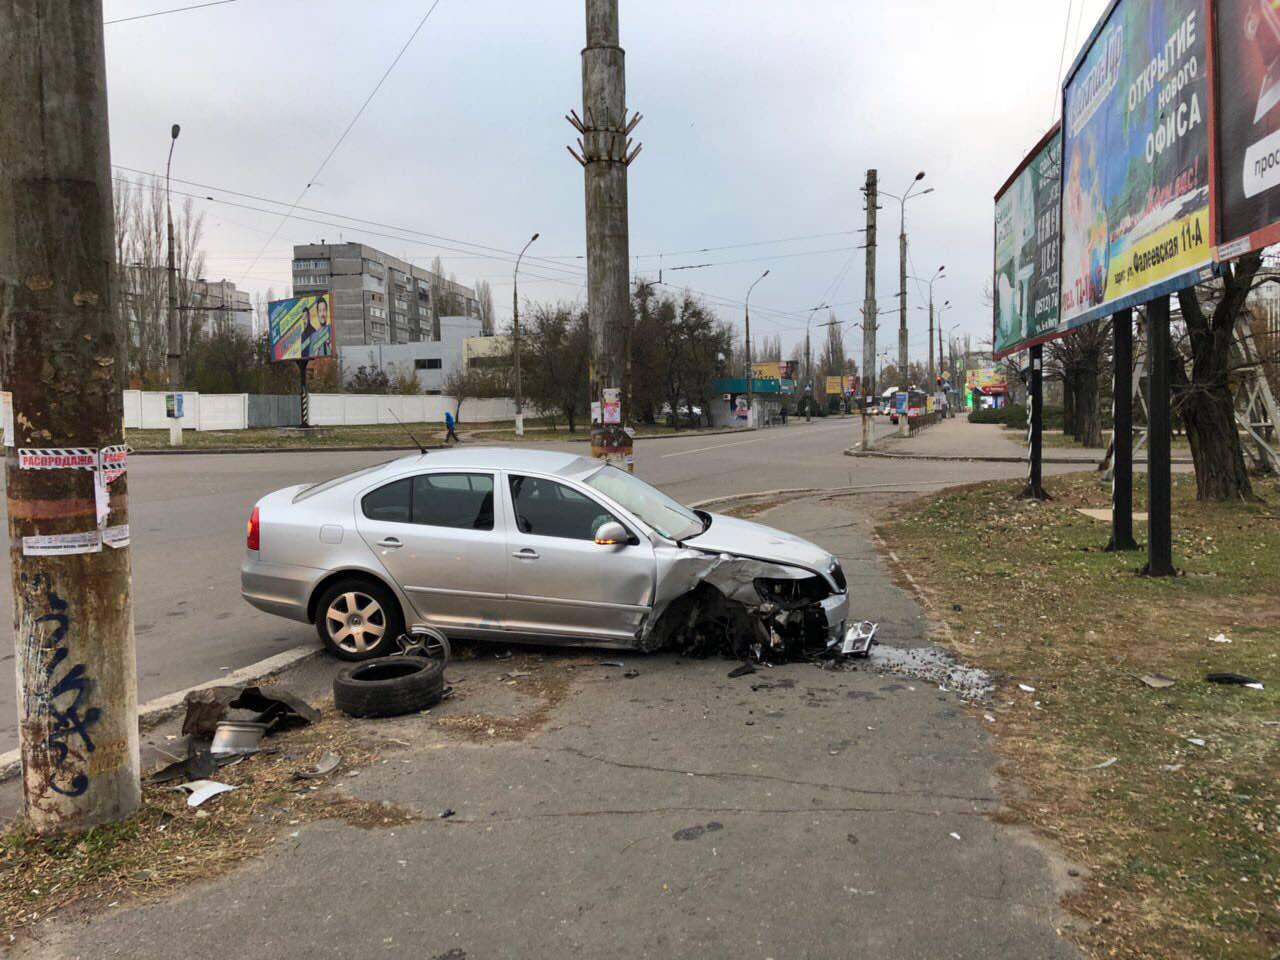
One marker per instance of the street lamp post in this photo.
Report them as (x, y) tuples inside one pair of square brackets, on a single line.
[(746, 317), (515, 336), (937, 275), (902, 263), (175, 345)]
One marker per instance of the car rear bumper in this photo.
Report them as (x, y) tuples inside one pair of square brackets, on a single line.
[(277, 588)]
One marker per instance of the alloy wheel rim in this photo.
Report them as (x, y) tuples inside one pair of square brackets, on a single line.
[(356, 622)]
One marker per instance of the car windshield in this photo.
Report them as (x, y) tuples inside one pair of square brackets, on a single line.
[(669, 518)]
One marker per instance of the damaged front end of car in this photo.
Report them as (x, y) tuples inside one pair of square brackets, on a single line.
[(745, 608)]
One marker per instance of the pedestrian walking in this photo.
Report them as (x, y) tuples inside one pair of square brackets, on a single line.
[(448, 426)]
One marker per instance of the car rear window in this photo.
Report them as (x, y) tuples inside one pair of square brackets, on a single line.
[(318, 488), (391, 503)]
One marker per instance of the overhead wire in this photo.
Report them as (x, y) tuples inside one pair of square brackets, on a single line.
[(161, 13), (350, 126)]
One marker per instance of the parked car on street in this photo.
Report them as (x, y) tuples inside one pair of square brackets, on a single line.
[(530, 546)]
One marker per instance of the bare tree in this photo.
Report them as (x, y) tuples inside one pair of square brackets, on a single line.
[(484, 294), (1204, 396)]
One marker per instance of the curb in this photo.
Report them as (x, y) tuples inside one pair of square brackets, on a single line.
[(477, 441), (883, 455), (156, 711)]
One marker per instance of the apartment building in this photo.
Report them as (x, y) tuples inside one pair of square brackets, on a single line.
[(378, 298)]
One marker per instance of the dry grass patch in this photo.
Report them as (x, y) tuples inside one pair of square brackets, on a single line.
[(1182, 841), (167, 843)]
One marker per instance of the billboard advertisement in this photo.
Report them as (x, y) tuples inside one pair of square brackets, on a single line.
[(302, 327), (835, 386), (1025, 285), (1135, 154), (1246, 36), (774, 369)]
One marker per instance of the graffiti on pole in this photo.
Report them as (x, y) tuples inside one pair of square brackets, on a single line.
[(1135, 156)]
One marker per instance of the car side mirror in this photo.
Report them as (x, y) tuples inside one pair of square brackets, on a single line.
[(612, 534)]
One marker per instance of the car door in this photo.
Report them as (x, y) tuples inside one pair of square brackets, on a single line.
[(439, 536), (560, 582)]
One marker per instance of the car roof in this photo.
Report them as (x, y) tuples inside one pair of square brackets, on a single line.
[(500, 458)]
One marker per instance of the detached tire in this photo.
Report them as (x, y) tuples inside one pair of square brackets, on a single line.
[(389, 686)]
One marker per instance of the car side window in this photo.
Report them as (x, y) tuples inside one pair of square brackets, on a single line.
[(390, 503), (463, 501), (549, 509)]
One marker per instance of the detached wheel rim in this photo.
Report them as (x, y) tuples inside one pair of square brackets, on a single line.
[(356, 622)]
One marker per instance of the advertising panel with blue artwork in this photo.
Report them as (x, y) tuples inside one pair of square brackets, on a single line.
[(301, 327), (1135, 154)]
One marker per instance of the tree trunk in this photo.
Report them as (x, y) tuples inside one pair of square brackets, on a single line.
[(1088, 411), (1069, 403), (1207, 410)]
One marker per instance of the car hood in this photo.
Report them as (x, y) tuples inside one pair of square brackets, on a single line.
[(746, 539)]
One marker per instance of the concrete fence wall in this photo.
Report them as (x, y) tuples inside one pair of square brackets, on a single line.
[(145, 410)]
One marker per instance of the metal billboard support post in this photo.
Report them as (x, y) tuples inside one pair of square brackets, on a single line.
[(1034, 490), (302, 393), (1159, 481), (1122, 436)]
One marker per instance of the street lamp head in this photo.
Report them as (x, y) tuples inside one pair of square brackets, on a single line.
[(534, 237), (175, 131), (926, 190), (920, 176), (763, 275)]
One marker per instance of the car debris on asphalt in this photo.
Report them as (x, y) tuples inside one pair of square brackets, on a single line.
[(202, 790), (327, 763), (1235, 679)]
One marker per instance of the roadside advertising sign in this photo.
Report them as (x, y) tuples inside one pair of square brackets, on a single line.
[(1246, 39), (1025, 285), (1135, 153), (837, 386), (774, 369), (301, 327)]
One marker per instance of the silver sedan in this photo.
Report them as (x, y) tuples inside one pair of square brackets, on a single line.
[(531, 546)]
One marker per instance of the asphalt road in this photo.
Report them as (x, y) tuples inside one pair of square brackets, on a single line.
[(188, 514)]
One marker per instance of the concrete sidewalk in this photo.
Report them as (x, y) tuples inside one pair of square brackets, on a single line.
[(958, 439), (790, 813)]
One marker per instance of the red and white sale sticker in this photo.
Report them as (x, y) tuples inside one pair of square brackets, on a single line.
[(115, 461), (58, 458)]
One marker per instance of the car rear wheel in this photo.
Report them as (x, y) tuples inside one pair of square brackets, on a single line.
[(358, 620)]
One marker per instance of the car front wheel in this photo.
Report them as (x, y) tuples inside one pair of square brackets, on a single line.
[(358, 620)]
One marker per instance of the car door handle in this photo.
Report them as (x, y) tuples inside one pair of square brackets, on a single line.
[(526, 554), (391, 543)]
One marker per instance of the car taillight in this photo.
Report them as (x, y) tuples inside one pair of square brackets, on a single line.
[(254, 532)]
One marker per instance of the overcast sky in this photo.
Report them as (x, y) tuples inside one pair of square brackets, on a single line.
[(761, 119)]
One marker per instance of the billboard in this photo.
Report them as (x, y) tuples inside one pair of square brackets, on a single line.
[(1246, 38), (774, 369), (1135, 154), (1025, 284), (301, 327), (836, 386)]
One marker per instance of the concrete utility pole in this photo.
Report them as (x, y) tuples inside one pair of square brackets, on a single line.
[(870, 389), (60, 350), (605, 152), (515, 335), (175, 342)]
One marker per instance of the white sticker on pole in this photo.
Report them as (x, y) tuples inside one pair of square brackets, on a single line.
[(116, 537), (101, 499), (115, 461), (62, 544), (58, 458), (6, 418)]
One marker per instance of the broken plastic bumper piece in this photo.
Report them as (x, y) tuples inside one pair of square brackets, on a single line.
[(858, 639)]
